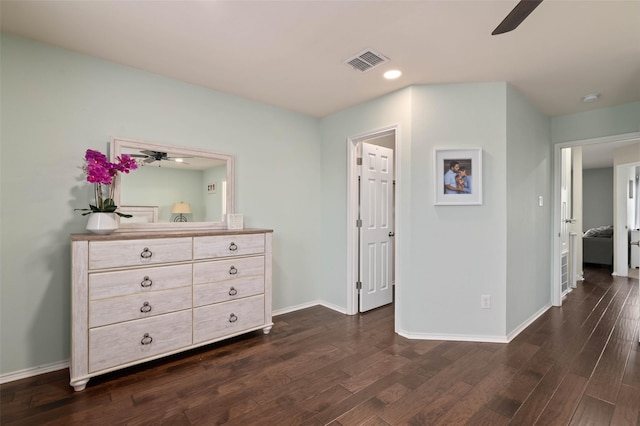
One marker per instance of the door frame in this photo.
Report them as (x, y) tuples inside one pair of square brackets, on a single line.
[(352, 211), (556, 287)]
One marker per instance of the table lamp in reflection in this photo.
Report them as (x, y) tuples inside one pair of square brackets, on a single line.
[(180, 209)]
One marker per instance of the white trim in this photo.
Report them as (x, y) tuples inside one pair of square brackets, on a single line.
[(352, 209), (519, 329), (556, 290), (309, 305), (33, 371), (477, 338), (453, 337)]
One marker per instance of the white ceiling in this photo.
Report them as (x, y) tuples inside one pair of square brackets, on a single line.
[(597, 156), (291, 53)]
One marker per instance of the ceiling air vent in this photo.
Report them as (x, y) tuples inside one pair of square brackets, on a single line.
[(364, 61)]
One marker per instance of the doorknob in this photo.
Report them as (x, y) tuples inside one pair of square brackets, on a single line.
[(635, 243), (392, 234)]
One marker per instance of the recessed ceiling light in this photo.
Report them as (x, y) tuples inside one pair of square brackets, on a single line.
[(392, 74), (591, 97)]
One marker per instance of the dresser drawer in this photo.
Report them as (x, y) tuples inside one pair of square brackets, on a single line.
[(114, 254), (229, 269), (135, 281), (222, 319), (223, 291), (118, 344), (126, 308), (227, 245)]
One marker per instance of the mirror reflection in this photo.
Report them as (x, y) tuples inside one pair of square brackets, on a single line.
[(174, 187)]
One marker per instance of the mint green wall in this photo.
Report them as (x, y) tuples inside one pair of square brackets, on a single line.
[(55, 104), (596, 123), (389, 110), (449, 255), (155, 186), (458, 252), (528, 225), (290, 175)]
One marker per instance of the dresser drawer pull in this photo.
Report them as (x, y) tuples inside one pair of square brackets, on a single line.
[(146, 253), (146, 307), (146, 339), (146, 282), (233, 291), (233, 246), (233, 318), (233, 270)]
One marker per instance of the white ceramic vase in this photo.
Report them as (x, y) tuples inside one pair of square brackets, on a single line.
[(102, 223)]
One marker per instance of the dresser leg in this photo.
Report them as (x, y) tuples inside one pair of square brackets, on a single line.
[(266, 330), (79, 385)]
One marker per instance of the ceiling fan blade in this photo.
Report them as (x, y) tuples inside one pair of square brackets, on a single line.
[(516, 16), (149, 160)]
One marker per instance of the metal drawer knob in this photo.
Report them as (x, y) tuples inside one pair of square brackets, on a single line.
[(146, 253), (233, 318), (146, 282), (146, 307), (233, 246), (146, 339), (233, 291), (233, 270)]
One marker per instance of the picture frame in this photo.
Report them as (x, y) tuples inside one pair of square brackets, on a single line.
[(453, 186)]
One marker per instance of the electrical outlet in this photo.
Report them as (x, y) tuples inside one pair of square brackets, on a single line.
[(485, 301)]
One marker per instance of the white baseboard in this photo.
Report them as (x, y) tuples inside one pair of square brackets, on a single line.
[(309, 305), (527, 323), (453, 337), (476, 338), (33, 371)]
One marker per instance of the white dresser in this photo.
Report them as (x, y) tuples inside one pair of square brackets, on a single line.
[(141, 296)]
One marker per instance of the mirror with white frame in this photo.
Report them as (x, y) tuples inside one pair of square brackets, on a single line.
[(174, 188)]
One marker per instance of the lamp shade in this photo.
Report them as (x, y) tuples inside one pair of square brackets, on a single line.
[(181, 208)]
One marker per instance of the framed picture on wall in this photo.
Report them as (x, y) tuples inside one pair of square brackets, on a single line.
[(458, 176)]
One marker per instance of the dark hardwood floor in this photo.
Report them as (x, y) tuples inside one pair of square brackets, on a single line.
[(576, 365)]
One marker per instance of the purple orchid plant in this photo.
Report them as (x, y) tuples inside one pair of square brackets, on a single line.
[(103, 175)]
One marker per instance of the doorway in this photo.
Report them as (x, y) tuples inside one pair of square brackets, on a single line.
[(620, 239), (383, 245)]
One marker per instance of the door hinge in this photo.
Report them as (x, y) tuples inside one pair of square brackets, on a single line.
[(359, 161), (358, 285), (358, 223)]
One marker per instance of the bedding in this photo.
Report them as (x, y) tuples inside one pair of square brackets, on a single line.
[(597, 245)]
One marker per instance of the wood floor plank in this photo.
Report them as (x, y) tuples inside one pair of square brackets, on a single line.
[(564, 401), (627, 409), (632, 371), (592, 412), (607, 377), (475, 400)]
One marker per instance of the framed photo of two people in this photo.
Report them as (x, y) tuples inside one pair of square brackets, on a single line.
[(458, 176)]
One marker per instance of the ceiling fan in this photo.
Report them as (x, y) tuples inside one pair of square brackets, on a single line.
[(152, 156), (516, 16)]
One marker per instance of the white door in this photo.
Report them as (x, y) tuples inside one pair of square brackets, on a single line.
[(565, 212), (376, 213)]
